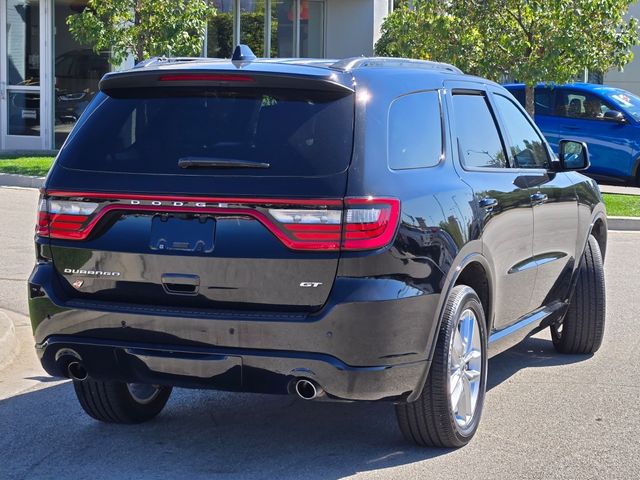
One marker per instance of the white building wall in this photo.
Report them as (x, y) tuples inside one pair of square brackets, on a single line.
[(353, 26), (629, 78)]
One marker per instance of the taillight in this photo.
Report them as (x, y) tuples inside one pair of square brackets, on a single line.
[(321, 225), (369, 223), (309, 229), (64, 218), (366, 224)]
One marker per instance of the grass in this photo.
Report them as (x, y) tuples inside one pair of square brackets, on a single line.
[(622, 205), (35, 166)]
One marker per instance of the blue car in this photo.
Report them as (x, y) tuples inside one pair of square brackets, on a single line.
[(606, 118)]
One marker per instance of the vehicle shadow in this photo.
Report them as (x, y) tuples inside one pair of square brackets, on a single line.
[(534, 352), (204, 434)]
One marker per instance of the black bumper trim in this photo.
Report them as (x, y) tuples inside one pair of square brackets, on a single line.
[(229, 368)]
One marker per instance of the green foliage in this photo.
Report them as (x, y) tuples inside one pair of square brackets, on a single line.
[(220, 33), (220, 36), (531, 41), (143, 28)]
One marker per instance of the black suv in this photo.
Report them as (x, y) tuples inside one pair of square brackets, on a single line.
[(366, 229)]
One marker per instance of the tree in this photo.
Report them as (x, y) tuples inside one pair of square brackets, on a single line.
[(142, 28), (533, 41)]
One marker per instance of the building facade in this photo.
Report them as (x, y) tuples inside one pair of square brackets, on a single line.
[(47, 78), (629, 77)]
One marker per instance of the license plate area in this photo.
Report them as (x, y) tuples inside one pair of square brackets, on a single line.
[(190, 233)]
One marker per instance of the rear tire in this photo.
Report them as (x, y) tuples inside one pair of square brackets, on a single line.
[(582, 329), (436, 419), (119, 402)]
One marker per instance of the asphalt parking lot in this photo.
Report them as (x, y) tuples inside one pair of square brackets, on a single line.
[(546, 416)]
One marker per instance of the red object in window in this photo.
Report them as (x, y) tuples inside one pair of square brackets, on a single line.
[(304, 10)]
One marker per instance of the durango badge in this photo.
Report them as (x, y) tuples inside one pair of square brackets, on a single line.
[(90, 273)]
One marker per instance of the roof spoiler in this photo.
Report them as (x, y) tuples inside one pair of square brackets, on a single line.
[(207, 75)]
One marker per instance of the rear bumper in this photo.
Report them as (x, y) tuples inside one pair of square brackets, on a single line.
[(227, 369), (366, 344)]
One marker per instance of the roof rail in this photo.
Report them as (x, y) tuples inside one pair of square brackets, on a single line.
[(166, 60), (354, 63)]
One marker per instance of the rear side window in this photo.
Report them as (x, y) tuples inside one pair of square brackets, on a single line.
[(582, 105), (415, 131), (543, 98), (518, 93), (479, 143), (295, 132), (544, 101)]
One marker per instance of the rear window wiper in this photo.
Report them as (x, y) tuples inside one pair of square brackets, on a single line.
[(205, 162)]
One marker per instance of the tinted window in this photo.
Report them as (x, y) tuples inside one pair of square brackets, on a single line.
[(519, 94), (544, 101), (574, 104), (478, 140), (415, 131), (543, 98), (298, 132), (527, 147)]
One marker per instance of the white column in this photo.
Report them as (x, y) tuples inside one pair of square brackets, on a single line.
[(267, 28), (47, 88), (236, 23)]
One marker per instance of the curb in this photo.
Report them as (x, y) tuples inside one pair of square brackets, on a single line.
[(15, 180), (624, 223), (8, 340)]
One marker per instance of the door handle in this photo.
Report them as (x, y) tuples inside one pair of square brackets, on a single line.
[(488, 203), (179, 284), (539, 198), (573, 127)]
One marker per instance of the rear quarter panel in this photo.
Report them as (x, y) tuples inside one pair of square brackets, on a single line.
[(437, 225)]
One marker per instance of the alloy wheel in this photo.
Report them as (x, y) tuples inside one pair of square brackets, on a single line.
[(465, 369)]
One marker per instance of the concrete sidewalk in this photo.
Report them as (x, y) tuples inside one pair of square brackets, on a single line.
[(8, 340), (620, 189)]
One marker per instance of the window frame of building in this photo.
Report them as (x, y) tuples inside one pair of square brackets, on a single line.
[(267, 40), (43, 88)]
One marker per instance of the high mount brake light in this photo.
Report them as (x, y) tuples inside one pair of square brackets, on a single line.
[(206, 77), (318, 225)]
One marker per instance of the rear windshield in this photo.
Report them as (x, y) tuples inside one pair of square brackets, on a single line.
[(153, 131)]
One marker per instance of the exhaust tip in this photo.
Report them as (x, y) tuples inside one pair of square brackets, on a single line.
[(308, 390), (77, 371)]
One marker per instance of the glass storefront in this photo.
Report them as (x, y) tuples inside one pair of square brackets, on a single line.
[(47, 78), (311, 28), (281, 22), (220, 30), (282, 34), (252, 25), (77, 71), (23, 67)]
